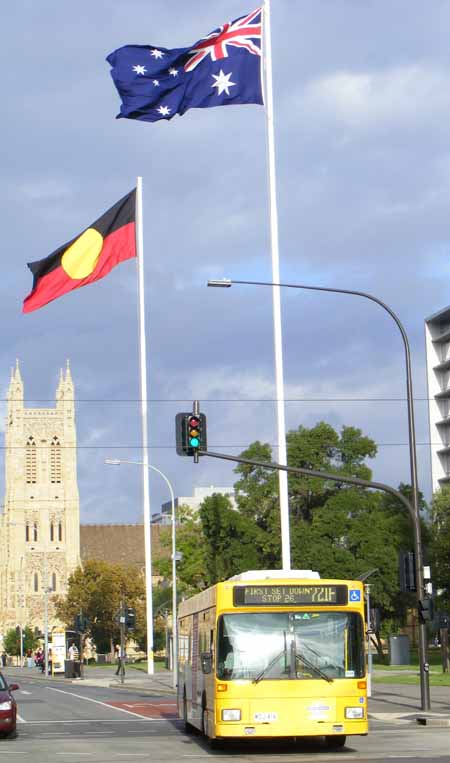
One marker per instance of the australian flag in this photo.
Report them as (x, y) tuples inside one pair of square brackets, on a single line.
[(220, 69)]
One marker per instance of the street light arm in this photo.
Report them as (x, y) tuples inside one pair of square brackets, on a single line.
[(316, 473)]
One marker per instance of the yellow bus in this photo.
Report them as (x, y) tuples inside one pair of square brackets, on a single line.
[(274, 654)]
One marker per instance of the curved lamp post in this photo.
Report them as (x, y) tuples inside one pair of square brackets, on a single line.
[(175, 557), (424, 681)]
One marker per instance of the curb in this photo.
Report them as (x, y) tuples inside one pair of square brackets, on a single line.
[(424, 720)]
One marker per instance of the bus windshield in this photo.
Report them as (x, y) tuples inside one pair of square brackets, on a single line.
[(290, 645)]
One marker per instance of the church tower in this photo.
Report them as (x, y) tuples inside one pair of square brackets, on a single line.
[(40, 524)]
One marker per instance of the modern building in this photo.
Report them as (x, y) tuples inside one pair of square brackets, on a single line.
[(437, 337), (40, 523), (164, 517)]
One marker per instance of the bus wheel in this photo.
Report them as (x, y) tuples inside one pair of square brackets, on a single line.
[(204, 722), (336, 741)]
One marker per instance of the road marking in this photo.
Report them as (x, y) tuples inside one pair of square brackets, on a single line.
[(22, 691), (100, 720), (96, 701)]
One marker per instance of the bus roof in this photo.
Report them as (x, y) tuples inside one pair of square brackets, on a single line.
[(275, 575)]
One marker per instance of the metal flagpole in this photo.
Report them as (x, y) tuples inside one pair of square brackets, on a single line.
[(144, 412), (276, 299)]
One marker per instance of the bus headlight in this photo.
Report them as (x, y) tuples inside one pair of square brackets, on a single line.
[(354, 713), (231, 715)]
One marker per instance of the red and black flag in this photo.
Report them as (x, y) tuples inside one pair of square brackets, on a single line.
[(87, 257)]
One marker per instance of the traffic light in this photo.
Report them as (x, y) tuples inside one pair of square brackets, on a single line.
[(407, 571), (81, 623), (426, 610), (190, 433), (130, 618)]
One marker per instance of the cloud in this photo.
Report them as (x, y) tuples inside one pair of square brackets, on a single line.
[(404, 97)]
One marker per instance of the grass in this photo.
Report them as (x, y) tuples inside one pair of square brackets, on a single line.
[(141, 666), (412, 679)]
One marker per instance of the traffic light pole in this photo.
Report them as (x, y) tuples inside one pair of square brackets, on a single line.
[(343, 479), (122, 642)]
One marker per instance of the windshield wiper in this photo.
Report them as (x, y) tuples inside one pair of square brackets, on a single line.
[(321, 657), (314, 668), (265, 670)]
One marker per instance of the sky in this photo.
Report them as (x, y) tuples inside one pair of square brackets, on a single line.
[(362, 115)]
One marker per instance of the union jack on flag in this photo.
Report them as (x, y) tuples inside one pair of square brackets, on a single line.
[(240, 34), (220, 69)]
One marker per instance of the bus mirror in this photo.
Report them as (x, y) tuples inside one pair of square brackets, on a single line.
[(206, 659)]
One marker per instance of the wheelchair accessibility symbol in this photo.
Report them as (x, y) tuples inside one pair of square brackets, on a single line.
[(354, 595)]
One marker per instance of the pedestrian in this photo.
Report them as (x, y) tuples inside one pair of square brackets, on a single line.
[(120, 661), (73, 652), (4, 656)]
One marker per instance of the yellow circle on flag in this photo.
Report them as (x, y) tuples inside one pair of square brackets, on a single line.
[(80, 259)]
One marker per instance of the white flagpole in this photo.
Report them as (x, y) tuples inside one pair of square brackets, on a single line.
[(278, 339), (144, 412)]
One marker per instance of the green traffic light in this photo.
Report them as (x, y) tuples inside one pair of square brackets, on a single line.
[(194, 442)]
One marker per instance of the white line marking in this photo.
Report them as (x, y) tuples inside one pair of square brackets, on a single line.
[(22, 691), (96, 701), (100, 720), (20, 719)]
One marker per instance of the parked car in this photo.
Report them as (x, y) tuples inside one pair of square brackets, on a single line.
[(8, 707)]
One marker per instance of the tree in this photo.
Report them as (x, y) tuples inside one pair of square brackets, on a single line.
[(440, 544), (229, 539), (11, 642), (191, 543), (97, 589), (319, 448)]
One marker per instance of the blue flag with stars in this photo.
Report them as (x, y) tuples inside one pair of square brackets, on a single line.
[(220, 69)]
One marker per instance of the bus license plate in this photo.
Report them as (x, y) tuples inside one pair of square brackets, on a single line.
[(265, 717)]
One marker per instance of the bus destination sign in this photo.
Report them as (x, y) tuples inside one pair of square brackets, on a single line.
[(289, 595)]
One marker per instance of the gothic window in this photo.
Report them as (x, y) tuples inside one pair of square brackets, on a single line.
[(27, 532), (35, 532), (60, 532), (53, 586), (35, 582), (55, 461), (52, 532), (30, 461)]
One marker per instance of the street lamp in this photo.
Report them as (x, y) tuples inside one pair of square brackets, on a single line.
[(175, 557), (424, 676)]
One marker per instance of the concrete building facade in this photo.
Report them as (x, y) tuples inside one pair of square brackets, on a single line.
[(40, 522), (437, 338)]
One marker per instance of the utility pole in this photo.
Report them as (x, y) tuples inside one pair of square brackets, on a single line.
[(369, 633), (122, 641)]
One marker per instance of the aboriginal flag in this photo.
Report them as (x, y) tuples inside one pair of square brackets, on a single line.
[(87, 257)]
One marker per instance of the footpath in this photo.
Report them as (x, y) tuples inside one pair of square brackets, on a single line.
[(393, 703)]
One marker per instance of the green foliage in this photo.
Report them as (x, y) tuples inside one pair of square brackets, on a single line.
[(97, 589), (440, 544), (190, 542), (229, 543), (11, 642)]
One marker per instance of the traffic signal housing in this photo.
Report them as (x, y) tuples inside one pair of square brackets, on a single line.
[(426, 610), (130, 618), (190, 433), (407, 571)]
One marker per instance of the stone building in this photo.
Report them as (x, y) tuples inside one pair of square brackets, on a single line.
[(122, 544), (40, 523)]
